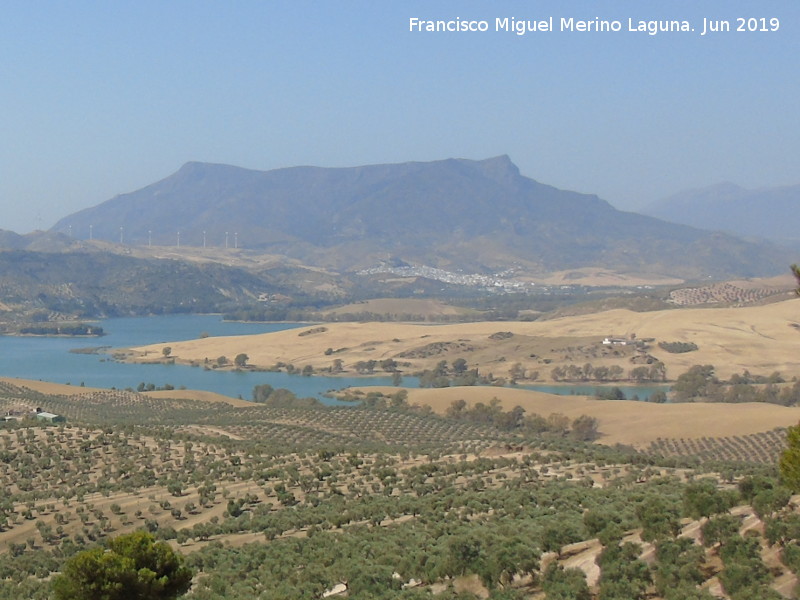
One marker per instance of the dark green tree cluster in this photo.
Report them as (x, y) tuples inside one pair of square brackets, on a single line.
[(588, 372), (281, 397), (132, 567), (62, 329), (700, 383), (149, 387), (559, 583), (789, 463), (458, 374), (745, 575), (583, 428), (703, 498), (677, 573), (609, 393), (623, 575), (677, 347), (653, 373)]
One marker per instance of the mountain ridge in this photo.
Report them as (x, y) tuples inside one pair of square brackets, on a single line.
[(454, 213), (761, 212)]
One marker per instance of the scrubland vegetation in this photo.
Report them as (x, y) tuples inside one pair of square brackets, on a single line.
[(283, 500)]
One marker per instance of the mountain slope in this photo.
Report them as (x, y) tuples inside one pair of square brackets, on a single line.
[(766, 213), (102, 283), (455, 213)]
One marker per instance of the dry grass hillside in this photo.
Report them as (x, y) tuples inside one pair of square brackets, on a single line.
[(47, 387), (595, 276), (396, 308), (761, 339)]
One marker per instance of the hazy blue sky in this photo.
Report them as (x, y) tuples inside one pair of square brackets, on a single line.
[(101, 98)]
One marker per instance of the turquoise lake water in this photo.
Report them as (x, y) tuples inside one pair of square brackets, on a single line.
[(50, 359)]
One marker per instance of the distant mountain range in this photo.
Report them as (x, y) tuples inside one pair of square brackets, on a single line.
[(767, 213), (479, 216)]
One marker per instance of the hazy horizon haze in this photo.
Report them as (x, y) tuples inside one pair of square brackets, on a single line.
[(104, 99)]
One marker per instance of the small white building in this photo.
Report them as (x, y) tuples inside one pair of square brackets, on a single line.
[(49, 417)]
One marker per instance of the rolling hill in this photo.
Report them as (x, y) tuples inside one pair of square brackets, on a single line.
[(760, 339), (90, 284)]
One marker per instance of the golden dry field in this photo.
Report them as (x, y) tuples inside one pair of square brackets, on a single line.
[(47, 387), (761, 339), (595, 276), (397, 307)]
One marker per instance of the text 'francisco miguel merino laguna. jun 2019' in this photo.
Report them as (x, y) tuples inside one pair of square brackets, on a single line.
[(703, 26)]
